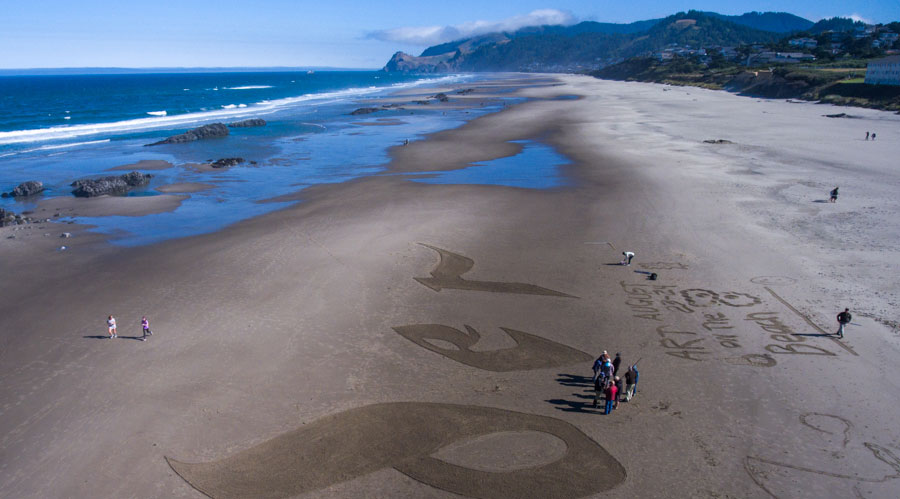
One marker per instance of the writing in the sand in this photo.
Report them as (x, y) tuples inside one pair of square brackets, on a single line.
[(716, 331)]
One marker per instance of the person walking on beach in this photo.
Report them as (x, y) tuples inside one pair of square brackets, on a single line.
[(636, 376), (111, 326), (599, 388), (610, 397), (596, 368), (629, 383), (843, 319), (867, 135), (834, 195), (873, 135), (620, 390), (628, 256), (615, 363), (145, 326)]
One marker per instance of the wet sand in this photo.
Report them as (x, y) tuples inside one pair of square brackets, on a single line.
[(397, 319)]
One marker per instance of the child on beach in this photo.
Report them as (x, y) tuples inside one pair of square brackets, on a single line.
[(145, 326), (628, 256), (834, 195), (111, 326)]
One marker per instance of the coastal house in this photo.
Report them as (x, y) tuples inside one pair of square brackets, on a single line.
[(805, 42), (884, 71)]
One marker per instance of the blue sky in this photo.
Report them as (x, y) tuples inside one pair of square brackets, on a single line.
[(340, 33)]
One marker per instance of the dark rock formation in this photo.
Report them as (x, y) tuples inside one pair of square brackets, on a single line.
[(88, 188), (442, 97), (204, 132), (29, 188), (422, 102), (365, 110), (465, 91), (841, 115), (226, 162), (718, 141), (7, 218), (248, 123)]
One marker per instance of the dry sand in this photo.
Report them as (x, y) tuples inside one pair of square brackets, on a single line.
[(372, 313)]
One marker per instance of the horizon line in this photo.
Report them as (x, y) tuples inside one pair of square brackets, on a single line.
[(181, 69)]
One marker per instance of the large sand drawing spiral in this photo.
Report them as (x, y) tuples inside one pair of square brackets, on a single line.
[(792, 479), (530, 352), (404, 436), (449, 271)]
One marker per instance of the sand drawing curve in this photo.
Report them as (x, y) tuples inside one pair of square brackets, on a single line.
[(810, 322), (451, 267), (763, 471), (404, 436), (530, 352)]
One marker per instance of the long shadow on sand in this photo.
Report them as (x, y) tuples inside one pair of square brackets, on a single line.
[(575, 380), (103, 337), (585, 406)]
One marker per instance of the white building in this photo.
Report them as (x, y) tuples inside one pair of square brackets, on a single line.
[(884, 71)]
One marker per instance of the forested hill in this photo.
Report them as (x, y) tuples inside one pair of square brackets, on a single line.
[(588, 44)]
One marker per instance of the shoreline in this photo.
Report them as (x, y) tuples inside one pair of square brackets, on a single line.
[(290, 318)]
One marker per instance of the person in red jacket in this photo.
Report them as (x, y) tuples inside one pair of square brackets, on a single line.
[(611, 392)]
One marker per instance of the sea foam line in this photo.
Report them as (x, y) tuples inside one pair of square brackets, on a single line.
[(249, 87), (182, 120), (56, 146)]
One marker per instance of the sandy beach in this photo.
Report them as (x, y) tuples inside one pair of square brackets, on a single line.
[(391, 338)]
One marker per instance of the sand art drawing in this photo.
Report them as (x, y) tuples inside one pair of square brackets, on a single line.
[(530, 352), (811, 323), (783, 479), (451, 267), (404, 436), (663, 266), (773, 280)]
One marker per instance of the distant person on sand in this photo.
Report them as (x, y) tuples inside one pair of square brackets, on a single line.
[(843, 319), (596, 367), (628, 256), (867, 135), (111, 326), (620, 390), (636, 376), (834, 194), (599, 387), (610, 397), (615, 364), (873, 135), (630, 377), (145, 326)]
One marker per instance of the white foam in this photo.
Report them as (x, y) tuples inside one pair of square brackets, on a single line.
[(249, 87), (190, 119), (156, 113)]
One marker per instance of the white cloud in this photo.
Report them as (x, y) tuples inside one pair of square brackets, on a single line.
[(433, 35), (859, 18)]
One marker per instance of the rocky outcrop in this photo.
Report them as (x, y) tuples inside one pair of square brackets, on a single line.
[(9, 218), (210, 131), (29, 188), (226, 162), (405, 63), (88, 188), (365, 110), (442, 97), (248, 123)]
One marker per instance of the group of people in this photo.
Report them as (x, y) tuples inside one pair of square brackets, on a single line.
[(145, 327), (873, 135), (609, 385)]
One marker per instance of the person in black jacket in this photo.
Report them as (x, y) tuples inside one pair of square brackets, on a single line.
[(843, 319)]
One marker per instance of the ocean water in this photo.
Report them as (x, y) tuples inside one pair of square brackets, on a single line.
[(57, 129)]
